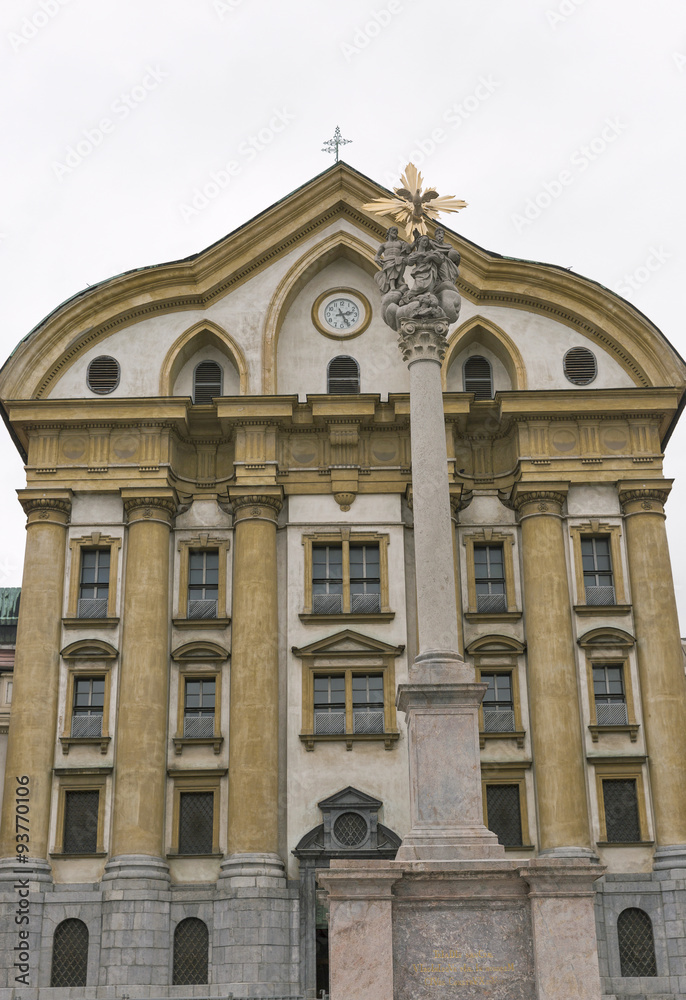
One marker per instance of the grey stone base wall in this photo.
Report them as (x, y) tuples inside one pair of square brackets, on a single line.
[(662, 895), (253, 933)]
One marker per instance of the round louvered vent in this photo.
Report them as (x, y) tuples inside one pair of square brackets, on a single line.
[(343, 375), (103, 375), (580, 366), (350, 829), (207, 382)]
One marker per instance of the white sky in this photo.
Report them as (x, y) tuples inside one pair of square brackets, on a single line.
[(516, 88)]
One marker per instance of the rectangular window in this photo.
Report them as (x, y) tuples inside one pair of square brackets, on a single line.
[(368, 706), (597, 570), (622, 824), (498, 704), (81, 822), (610, 695), (503, 813), (196, 822), (329, 704), (87, 708), (94, 583), (489, 574), (365, 581), (327, 579), (203, 583), (198, 708)]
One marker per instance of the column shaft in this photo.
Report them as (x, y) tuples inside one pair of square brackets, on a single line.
[(33, 718), (254, 719), (139, 793), (660, 659), (553, 690)]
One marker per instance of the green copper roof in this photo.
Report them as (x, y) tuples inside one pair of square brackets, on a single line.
[(9, 605)]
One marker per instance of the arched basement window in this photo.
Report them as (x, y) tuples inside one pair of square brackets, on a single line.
[(343, 375), (191, 953), (207, 382), (478, 377), (636, 944), (70, 954)]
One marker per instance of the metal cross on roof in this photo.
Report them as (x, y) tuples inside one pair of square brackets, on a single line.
[(331, 145)]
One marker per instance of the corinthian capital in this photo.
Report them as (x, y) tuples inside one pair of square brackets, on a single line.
[(423, 340)]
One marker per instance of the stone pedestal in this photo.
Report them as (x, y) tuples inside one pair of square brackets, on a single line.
[(468, 930)]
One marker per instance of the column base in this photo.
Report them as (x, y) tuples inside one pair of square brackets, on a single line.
[(670, 857), (463, 844), (126, 869), (585, 853), (257, 870), (440, 666), (34, 869)]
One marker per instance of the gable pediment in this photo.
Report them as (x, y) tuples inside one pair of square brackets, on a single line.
[(347, 643)]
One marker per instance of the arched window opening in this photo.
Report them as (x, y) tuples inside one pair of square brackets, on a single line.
[(343, 375), (207, 382), (636, 944), (478, 377), (70, 954), (191, 953)]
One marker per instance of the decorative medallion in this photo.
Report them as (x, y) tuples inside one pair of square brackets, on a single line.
[(341, 313)]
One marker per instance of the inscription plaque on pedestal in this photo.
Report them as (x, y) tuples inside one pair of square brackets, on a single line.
[(466, 953)]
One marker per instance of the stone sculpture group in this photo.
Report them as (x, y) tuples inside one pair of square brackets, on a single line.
[(433, 265)]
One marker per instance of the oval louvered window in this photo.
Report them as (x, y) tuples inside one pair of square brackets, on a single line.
[(207, 382), (580, 366), (103, 375), (478, 377), (343, 375)]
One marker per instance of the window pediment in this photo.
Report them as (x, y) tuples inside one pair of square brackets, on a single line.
[(346, 643)]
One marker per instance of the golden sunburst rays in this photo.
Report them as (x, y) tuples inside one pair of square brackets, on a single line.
[(412, 207)]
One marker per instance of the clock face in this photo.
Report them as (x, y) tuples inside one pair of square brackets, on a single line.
[(341, 313)]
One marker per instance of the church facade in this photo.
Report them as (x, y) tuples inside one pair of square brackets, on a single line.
[(219, 604)]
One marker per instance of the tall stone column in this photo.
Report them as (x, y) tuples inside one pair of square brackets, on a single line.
[(442, 700), (553, 690), (33, 719), (253, 832), (660, 663), (141, 760)]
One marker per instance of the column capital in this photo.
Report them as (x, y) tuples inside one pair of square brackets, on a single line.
[(423, 340), (538, 498), (256, 506), (149, 506), (40, 506), (641, 497)]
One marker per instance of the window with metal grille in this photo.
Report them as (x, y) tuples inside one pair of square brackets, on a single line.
[(478, 377), (329, 704), (198, 708), (342, 375), (365, 582), (103, 375), (89, 700), (70, 954), (350, 829), (636, 943), (580, 366), (597, 567), (504, 814), (498, 706), (368, 714), (610, 696), (81, 821), (191, 953), (196, 822), (203, 583), (489, 575), (208, 380), (621, 811), (327, 579), (94, 583)]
